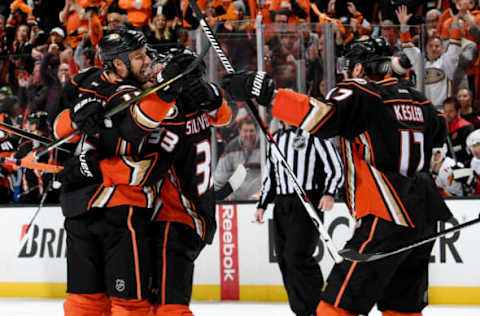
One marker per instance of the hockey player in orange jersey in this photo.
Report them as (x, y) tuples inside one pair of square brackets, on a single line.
[(108, 257), (387, 131), (178, 159)]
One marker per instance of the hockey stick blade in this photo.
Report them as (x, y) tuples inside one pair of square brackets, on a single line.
[(22, 163), (354, 255), (310, 209), (20, 132)]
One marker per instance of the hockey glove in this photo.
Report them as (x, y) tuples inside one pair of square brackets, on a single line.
[(202, 95), (177, 64), (80, 171), (88, 116), (245, 85)]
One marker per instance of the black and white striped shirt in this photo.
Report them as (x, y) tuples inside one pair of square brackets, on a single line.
[(314, 161)]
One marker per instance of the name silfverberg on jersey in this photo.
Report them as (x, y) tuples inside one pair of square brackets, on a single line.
[(197, 124), (408, 112)]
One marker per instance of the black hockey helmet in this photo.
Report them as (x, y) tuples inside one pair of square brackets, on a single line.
[(183, 57), (118, 44), (40, 119), (373, 53)]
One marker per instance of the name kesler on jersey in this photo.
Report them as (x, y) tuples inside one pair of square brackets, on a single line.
[(408, 112)]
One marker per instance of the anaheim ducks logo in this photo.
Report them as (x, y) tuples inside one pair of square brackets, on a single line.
[(434, 75), (113, 36)]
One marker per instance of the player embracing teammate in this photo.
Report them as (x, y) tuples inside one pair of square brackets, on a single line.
[(387, 131), (122, 167)]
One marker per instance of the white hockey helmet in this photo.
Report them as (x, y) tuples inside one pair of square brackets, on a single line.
[(438, 150), (472, 140)]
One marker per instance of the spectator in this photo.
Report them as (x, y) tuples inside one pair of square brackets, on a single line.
[(162, 35), (34, 183), (238, 22), (78, 20), (458, 130), (391, 34), (432, 18), (243, 149), (280, 45), (20, 13), (21, 61), (32, 92), (3, 52), (442, 30), (169, 8), (315, 70), (358, 25), (439, 65), (295, 10), (465, 99), (306, 40), (139, 12), (115, 21), (57, 36), (37, 36)]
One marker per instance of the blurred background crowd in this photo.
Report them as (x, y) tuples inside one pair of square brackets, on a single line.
[(43, 44)]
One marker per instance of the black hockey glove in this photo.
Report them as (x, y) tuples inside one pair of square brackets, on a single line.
[(80, 171), (202, 95), (177, 64), (245, 85), (88, 116)]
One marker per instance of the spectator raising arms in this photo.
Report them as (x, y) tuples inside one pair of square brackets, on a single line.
[(439, 65)]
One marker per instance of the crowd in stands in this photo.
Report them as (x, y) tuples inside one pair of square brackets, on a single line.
[(45, 43)]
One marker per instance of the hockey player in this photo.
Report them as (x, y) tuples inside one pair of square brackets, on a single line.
[(387, 133), (35, 182), (473, 145), (443, 168), (108, 258), (178, 157)]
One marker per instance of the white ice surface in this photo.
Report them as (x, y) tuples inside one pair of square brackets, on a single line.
[(53, 307)]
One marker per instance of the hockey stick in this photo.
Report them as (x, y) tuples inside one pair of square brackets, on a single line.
[(354, 255), (20, 132), (32, 220), (299, 190), (125, 104), (29, 164)]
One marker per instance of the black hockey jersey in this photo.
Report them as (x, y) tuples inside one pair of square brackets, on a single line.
[(179, 162), (126, 137), (388, 130)]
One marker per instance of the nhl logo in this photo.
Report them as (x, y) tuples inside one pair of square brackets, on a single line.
[(298, 142), (120, 285)]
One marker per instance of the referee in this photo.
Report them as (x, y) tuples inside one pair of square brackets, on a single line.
[(318, 168)]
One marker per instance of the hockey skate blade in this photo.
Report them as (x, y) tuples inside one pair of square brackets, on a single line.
[(354, 256)]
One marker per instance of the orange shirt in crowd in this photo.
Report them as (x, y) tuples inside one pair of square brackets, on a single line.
[(442, 31), (138, 17), (278, 5)]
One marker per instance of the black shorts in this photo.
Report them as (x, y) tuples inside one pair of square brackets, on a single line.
[(176, 246), (108, 252), (399, 282)]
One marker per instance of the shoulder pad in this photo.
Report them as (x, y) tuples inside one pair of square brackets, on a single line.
[(126, 87), (85, 73)]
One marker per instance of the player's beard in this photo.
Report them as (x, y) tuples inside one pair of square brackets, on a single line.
[(142, 75)]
